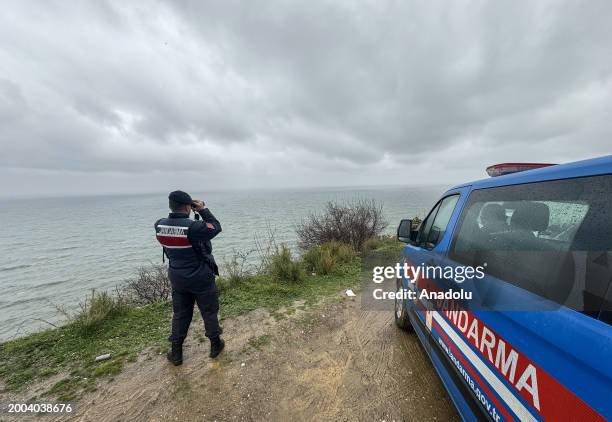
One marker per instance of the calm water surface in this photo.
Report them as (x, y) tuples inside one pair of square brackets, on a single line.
[(56, 253)]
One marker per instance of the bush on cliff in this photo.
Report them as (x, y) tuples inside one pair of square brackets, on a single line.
[(350, 222), (328, 258), (283, 267)]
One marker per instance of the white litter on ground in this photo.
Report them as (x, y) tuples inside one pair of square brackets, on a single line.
[(103, 357), (350, 293)]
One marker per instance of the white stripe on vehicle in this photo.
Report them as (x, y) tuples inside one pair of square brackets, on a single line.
[(507, 396)]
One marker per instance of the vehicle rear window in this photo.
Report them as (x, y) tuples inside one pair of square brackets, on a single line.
[(551, 238)]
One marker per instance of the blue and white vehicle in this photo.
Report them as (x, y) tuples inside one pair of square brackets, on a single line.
[(531, 339)]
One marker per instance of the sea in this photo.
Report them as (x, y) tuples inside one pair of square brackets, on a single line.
[(54, 251)]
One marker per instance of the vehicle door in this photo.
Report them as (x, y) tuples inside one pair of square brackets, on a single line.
[(430, 248), (531, 347)]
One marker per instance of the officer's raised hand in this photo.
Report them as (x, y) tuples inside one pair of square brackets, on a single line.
[(206, 229), (197, 205)]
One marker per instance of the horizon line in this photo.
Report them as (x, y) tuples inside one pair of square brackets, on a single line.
[(229, 189)]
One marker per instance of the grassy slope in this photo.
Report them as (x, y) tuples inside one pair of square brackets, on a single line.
[(70, 352), (68, 349)]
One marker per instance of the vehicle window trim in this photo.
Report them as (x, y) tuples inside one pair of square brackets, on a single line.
[(435, 209), (458, 194), (460, 220)]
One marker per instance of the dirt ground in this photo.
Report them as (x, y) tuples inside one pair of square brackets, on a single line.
[(332, 362)]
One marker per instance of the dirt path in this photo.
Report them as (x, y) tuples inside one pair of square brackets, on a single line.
[(333, 362)]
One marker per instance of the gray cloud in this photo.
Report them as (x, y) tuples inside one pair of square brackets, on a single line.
[(290, 93)]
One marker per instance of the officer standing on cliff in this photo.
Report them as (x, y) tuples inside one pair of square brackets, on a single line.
[(191, 270)]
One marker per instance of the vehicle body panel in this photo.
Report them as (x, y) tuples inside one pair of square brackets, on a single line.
[(563, 357)]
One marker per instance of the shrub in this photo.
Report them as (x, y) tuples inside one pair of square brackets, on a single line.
[(100, 306), (352, 222), (383, 243), (150, 285), (329, 257), (416, 222), (319, 261), (283, 267), (373, 243), (235, 271)]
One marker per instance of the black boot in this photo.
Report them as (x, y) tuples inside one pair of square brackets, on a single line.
[(175, 355), (216, 345)]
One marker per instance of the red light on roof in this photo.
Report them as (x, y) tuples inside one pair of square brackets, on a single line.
[(508, 168)]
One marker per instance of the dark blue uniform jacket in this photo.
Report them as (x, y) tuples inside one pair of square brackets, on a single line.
[(187, 245)]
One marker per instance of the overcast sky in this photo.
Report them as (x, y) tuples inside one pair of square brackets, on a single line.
[(106, 97)]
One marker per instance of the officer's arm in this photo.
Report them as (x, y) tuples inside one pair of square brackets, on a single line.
[(205, 229)]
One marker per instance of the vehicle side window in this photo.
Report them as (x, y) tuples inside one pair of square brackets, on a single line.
[(551, 238), (426, 224), (436, 223)]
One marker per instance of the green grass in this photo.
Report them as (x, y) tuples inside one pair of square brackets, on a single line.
[(328, 258), (265, 292), (385, 243), (69, 351), (283, 267)]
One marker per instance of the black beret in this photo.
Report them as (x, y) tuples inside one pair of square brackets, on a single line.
[(180, 197)]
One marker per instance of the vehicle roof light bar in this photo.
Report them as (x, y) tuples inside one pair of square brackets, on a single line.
[(509, 168)]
